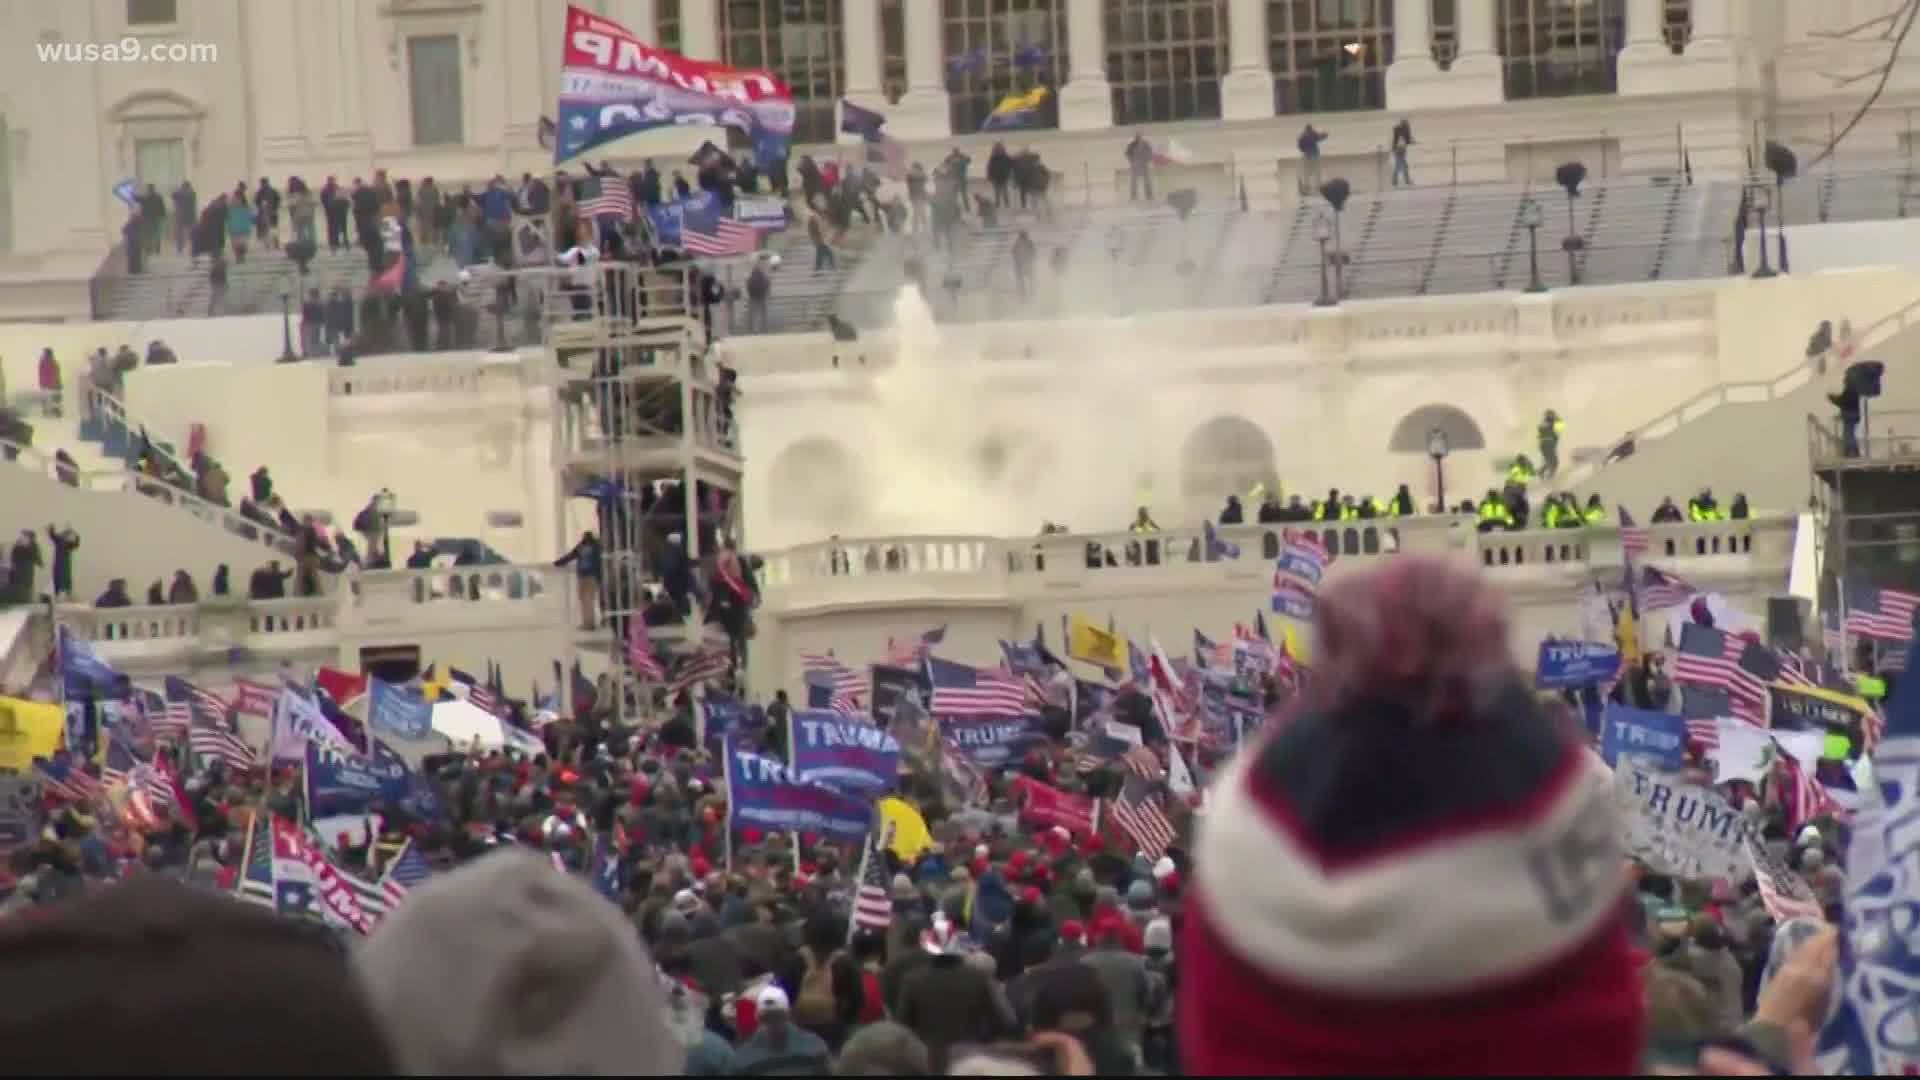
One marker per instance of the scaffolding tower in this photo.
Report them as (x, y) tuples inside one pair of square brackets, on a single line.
[(1866, 506), (645, 451)]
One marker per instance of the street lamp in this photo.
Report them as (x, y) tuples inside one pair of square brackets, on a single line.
[(1437, 449), (1759, 195), (1785, 165), (1336, 192), (1530, 215), (287, 355), (1569, 177), (1323, 235)]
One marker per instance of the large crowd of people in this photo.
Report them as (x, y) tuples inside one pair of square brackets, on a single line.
[(594, 906)]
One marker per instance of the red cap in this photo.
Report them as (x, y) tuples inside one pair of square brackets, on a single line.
[(1033, 897), (750, 834), (1073, 930), (1016, 860)]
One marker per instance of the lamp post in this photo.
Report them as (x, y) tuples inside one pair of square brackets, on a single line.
[(1323, 235), (1530, 215), (1759, 196), (1437, 449), (287, 355), (1570, 176)]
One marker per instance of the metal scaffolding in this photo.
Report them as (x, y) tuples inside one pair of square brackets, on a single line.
[(640, 428), (1866, 505)]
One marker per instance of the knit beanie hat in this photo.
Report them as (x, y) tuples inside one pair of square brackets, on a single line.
[(507, 967), (1415, 851)]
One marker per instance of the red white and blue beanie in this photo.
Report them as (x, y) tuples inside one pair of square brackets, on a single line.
[(1417, 870)]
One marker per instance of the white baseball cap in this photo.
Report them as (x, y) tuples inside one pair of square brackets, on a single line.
[(770, 999)]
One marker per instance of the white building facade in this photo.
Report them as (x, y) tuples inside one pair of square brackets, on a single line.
[(93, 92)]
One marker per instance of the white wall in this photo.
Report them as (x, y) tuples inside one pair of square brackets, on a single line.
[(243, 339), (454, 435)]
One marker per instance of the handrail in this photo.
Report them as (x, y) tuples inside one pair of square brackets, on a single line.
[(1723, 393), (129, 480), (102, 401)]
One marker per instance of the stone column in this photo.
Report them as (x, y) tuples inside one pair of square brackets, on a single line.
[(93, 216), (700, 29), (1413, 69), (1246, 93), (1710, 62), (642, 17), (1086, 102), (860, 49), (922, 112), (272, 30), (1712, 29), (348, 138), (528, 97), (1477, 75)]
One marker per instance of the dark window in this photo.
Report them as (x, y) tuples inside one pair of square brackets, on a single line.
[(797, 40), (1329, 55), (1165, 59), (996, 48), (1558, 48), (153, 12)]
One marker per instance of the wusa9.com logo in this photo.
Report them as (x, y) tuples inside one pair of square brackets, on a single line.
[(128, 50)]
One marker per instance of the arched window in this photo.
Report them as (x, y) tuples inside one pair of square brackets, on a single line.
[(1228, 455), (797, 40), (994, 48), (817, 491), (1165, 59), (1329, 55), (1556, 48), (666, 24)]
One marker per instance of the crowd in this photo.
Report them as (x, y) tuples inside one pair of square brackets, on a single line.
[(1256, 905)]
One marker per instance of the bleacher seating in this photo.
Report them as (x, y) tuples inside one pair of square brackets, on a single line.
[(1414, 241)]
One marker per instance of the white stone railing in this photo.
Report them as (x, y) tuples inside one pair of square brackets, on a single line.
[(1568, 318), (1176, 555), (244, 622), (491, 584)]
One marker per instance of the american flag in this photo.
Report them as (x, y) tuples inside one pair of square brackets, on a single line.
[(707, 233), (406, 873), (967, 783), (1704, 732), (212, 738), (873, 903), (1142, 762), (157, 788), (1710, 657), (640, 655), (1806, 797), (699, 666), (1659, 589), (1634, 538), (960, 690), (1883, 614), (606, 195), (1783, 892), (847, 687), (910, 653), (66, 780), (1137, 811), (184, 697)]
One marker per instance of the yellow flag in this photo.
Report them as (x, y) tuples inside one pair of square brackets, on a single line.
[(908, 831), (1626, 634), (1295, 644), (29, 729), (1095, 645)]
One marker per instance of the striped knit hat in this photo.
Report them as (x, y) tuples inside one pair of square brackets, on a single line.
[(1417, 871)]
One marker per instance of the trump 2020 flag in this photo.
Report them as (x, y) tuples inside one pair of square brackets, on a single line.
[(767, 795), (398, 710), (1872, 1032), (851, 755)]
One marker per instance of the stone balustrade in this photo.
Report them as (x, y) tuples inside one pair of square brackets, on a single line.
[(932, 568)]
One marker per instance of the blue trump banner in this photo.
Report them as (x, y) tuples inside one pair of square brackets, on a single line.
[(989, 741), (341, 783), (1567, 664), (848, 754), (398, 710), (724, 715), (764, 793), (1659, 736)]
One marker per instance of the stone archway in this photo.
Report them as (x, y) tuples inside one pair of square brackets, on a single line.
[(1227, 455), (815, 489), (1410, 434)]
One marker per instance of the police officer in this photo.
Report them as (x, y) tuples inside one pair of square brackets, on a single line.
[(1702, 507), (1549, 432)]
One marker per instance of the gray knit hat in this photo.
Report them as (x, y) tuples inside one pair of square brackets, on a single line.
[(510, 967)]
